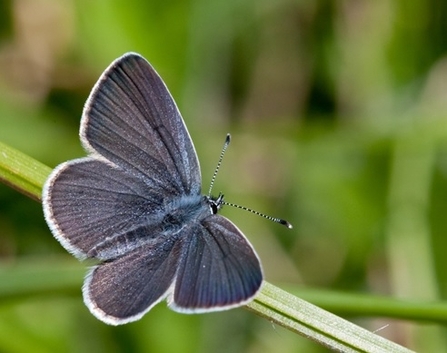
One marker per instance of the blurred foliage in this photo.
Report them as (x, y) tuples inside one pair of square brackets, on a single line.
[(339, 121)]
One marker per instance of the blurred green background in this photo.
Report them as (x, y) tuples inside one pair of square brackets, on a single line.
[(338, 112)]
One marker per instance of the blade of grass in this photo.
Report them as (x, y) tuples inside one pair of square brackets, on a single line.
[(300, 316), (28, 175), (22, 172), (37, 277), (355, 304)]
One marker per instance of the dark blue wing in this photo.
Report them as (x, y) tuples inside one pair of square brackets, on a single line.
[(219, 269), (131, 120)]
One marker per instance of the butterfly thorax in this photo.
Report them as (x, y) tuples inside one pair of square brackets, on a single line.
[(189, 208), (183, 210)]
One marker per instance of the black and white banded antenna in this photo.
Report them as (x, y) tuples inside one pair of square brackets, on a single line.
[(222, 153), (220, 200)]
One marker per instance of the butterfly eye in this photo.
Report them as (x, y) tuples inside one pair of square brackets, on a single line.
[(214, 207)]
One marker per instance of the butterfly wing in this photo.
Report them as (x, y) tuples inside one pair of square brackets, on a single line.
[(219, 269), (131, 120), (99, 211), (124, 289)]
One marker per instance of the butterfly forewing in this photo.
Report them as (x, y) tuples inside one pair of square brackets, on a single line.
[(94, 208), (130, 119)]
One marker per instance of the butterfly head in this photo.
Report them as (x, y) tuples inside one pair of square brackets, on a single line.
[(215, 203)]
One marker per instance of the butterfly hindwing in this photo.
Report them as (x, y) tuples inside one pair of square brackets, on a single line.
[(123, 290), (218, 270)]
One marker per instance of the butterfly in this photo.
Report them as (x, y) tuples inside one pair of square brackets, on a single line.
[(135, 206)]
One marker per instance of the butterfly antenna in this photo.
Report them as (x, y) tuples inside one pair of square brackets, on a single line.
[(274, 219), (222, 153)]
